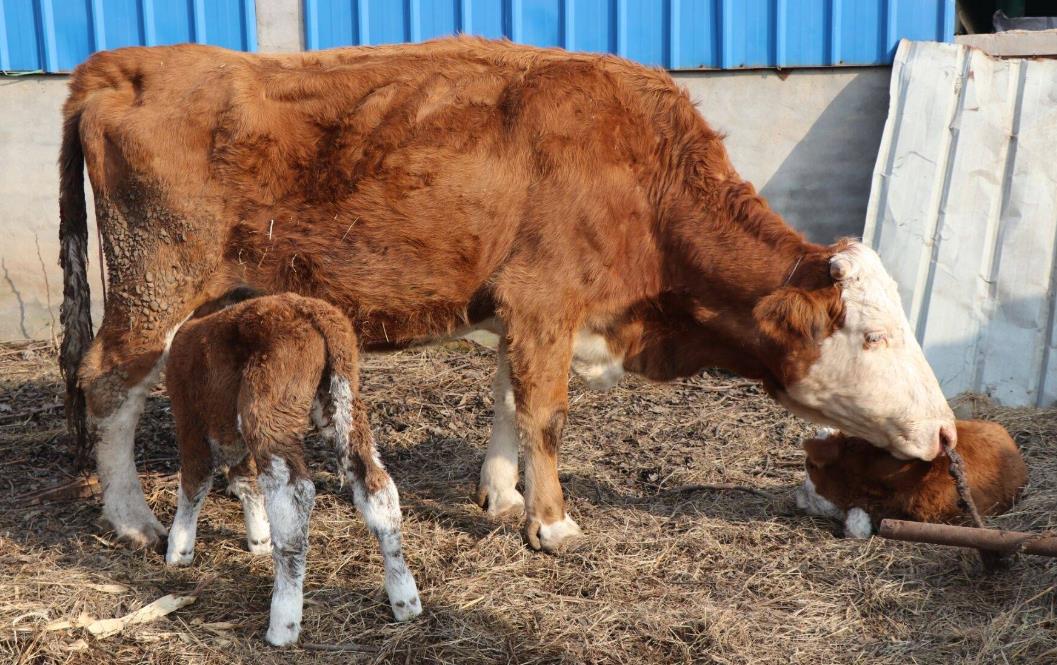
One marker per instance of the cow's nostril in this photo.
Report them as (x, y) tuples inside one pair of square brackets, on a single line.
[(948, 439)]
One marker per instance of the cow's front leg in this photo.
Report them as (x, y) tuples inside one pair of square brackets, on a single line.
[(497, 491), (539, 363)]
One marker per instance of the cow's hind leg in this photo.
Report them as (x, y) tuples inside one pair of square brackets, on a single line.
[(497, 491), (374, 493), (242, 482), (118, 371)]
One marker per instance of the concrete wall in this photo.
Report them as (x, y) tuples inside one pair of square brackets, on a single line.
[(807, 139)]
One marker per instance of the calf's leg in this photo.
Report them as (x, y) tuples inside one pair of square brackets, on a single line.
[(196, 477), (289, 496), (273, 408), (242, 482), (373, 492)]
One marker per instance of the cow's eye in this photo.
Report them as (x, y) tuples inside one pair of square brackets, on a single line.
[(876, 338)]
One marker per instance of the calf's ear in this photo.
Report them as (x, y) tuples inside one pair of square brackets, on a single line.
[(821, 452), (791, 314)]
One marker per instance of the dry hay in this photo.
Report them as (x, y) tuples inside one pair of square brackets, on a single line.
[(664, 575)]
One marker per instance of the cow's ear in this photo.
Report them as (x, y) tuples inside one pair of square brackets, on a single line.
[(821, 452), (791, 312)]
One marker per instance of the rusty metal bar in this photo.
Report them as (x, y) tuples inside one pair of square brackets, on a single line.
[(992, 540)]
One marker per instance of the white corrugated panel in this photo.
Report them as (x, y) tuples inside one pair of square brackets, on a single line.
[(963, 211)]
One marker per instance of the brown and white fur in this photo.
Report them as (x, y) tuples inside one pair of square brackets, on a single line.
[(577, 203), (245, 383), (854, 481)]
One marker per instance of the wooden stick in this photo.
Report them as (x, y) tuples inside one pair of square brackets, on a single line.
[(991, 540)]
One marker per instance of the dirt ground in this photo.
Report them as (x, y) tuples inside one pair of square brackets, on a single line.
[(666, 573)]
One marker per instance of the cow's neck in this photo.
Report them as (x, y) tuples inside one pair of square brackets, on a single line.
[(727, 255)]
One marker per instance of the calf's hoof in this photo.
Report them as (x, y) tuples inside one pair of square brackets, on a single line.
[(281, 635), (553, 537), (405, 610), (179, 558), (500, 502)]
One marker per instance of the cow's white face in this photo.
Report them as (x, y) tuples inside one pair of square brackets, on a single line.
[(871, 378)]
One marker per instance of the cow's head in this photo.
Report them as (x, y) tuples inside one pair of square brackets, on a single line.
[(846, 357)]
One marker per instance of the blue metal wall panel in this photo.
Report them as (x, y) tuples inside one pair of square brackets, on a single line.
[(677, 34), (57, 35)]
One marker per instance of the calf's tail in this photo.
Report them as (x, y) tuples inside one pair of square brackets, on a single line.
[(342, 349)]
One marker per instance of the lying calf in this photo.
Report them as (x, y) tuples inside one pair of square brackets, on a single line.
[(851, 480), (245, 382)]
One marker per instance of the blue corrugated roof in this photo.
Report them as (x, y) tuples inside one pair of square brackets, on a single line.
[(677, 34), (57, 35)]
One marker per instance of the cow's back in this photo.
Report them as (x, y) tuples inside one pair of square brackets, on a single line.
[(397, 182)]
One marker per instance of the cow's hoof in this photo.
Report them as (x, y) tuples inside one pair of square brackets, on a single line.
[(259, 547), (553, 537), (500, 502), (146, 534)]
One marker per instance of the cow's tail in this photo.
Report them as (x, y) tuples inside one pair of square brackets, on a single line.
[(76, 314)]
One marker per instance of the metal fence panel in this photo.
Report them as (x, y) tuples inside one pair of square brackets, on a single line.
[(676, 34), (57, 35), (963, 211)]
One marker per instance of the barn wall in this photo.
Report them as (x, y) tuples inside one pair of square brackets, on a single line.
[(807, 139)]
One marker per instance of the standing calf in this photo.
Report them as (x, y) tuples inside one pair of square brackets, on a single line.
[(246, 382), (852, 480)]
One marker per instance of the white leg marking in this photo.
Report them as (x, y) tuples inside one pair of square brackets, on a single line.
[(553, 536), (289, 504), (258, 530), (185, 525), (857, 524), (381, 512), (499, 471), (123, 504)]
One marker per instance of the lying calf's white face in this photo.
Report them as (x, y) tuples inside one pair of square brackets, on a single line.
[(857, 524)]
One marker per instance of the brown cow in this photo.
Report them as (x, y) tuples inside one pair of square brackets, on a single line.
[(853, 481), (245, 383), (576, 204)]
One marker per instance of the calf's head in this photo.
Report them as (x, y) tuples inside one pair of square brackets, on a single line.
[(844, 355), (846, 473)]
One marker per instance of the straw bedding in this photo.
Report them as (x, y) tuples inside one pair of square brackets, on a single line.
[(694, 550)]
